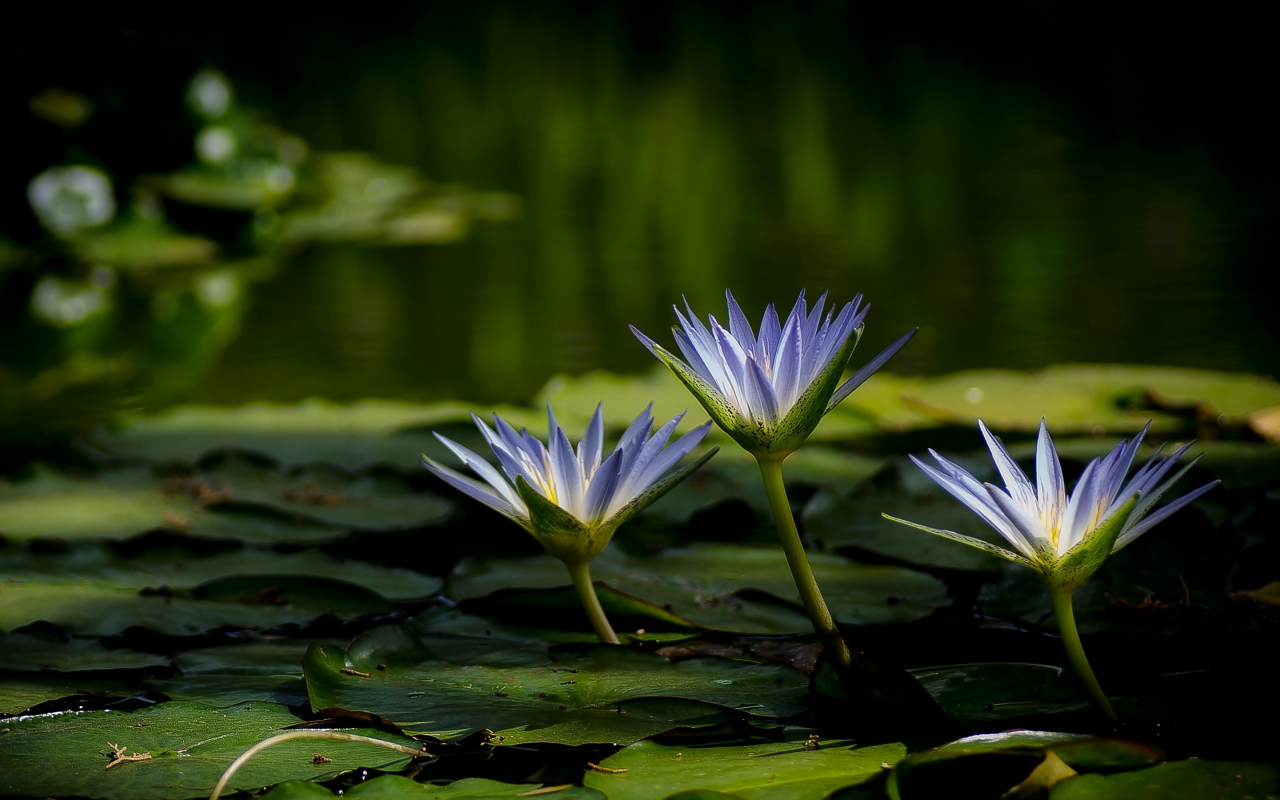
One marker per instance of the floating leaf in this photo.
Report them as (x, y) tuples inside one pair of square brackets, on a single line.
[(37, 651), (701, 583), (779, 770), (355, 436), (88, 591), (595, 694), (265, 671), (121, 503), (394, 787), (20, 691), (190, 746), (857, 525), (1195, 779), (991, 691)]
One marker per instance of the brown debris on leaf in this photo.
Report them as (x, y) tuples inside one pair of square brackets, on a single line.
[(801, 655), (119, 757), (313, 496)]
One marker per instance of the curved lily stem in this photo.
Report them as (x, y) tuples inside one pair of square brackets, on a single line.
[(832, 642), (581, 572), (335, 736), (1075, 652)]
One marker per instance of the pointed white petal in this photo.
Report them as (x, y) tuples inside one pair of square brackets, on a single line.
[(1051, 490), (591, 447), (1020, 489), (869, 369), (477, 491), (1159, 516)]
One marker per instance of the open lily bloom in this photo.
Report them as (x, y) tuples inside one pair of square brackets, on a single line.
[(769, 390), (573, 500), (1064, 538)]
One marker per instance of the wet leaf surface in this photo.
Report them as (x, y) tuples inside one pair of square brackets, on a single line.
[(90, 592), (678, 580), (190, 746), (597, 694), (237, 560), (790, 768), (1182, 780)]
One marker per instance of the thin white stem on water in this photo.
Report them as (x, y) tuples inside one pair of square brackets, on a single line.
[(334, 736)]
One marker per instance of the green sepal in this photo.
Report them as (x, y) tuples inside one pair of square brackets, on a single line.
[(1081, 561), (993, 549), (561, 533), (716, 405), (657, 490), (811, 407)]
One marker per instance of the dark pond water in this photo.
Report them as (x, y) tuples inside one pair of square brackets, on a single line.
[(984, 192)]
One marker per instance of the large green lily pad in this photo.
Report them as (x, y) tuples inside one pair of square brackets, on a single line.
[(190, 746), (1194, 779), (990, 691), (1077, 398), (354, 436), (701, 583), (591, 694), (786, 770), (20, 691), (395, 787), (90, 592), (856, 526), (121, 503), (38, 651), (261, 671)]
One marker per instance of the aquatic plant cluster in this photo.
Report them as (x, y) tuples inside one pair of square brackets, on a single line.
[(768, 392)]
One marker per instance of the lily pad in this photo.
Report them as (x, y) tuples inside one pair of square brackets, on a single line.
[(88, 591), (377, 501), (790, 768), (265, 671), (1194, 779), (190, 747), (702, 582), (20, 691), (593, 694), (395, 787), (38, 651), (122, 503), (991, 691), (1072, 399), (856, 525), (355, 436)]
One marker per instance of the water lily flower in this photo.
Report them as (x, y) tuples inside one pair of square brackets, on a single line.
[(1064, 538), (769, 391), (571, 500)]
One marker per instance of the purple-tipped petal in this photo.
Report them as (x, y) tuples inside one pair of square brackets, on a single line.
[(869, 369)]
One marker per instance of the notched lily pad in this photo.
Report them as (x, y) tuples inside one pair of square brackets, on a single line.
[(705, 583), (91, 592), (595, 694)]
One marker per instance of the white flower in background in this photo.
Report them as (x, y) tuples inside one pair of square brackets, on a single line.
[(68, 200)]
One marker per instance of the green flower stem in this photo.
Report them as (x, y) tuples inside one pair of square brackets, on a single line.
[(581, 572), (832, 642), (1075, 652)]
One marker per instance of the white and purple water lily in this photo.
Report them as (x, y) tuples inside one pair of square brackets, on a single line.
[(573, 500), (1064, 538), (769, 391)]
